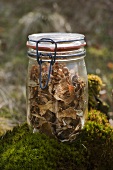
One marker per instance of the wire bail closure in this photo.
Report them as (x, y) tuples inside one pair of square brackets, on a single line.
[(39, 56)]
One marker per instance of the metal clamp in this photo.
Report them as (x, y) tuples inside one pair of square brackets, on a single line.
[(39, 56)]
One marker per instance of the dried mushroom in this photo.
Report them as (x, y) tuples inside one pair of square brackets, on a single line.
[(69, 112), (57, 110)]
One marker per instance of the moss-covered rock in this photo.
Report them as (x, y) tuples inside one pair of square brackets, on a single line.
[(92, 150)]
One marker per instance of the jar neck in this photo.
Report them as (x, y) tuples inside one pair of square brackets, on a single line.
[(64, 55)]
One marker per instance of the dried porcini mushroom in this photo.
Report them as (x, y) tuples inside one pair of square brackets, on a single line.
[(57, 110)]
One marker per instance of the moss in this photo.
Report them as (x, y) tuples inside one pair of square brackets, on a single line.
[(94, 86), (95, 83), (23, 150), (92, 150)]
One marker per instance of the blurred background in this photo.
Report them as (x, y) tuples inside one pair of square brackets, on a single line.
[(19, 18)]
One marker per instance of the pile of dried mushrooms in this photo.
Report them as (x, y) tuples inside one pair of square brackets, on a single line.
[(57, 110)]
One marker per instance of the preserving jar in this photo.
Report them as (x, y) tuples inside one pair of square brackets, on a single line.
[(57, 95)]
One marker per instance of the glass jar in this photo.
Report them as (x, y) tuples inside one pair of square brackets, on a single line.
[(57, 96)]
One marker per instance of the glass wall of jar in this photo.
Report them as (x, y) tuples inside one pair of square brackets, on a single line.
[(57, 95)]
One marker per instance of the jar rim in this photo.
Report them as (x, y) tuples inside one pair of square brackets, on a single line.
[(64, 41)]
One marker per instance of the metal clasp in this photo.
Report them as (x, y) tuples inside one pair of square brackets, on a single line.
[(39, 56)]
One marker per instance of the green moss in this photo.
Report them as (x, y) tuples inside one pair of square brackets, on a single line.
[(93, 148), (94, 83), (94, 86), (23, 150)]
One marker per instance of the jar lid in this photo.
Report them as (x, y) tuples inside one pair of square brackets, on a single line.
[(64, 41)]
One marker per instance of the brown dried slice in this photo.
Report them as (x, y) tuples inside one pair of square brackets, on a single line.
[(64, 135), (50, 105), (43, 108), (73, 135), (34, 73), (47, 129), (65, 71), (79, 113), (71, 122), (69, 112), (68, 100), (37, 121), (43, 126), (64, 128), (60, 89), (40, 117), (50, 116), (64, 92), (42, 99), (33, 92), (76, 103)]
